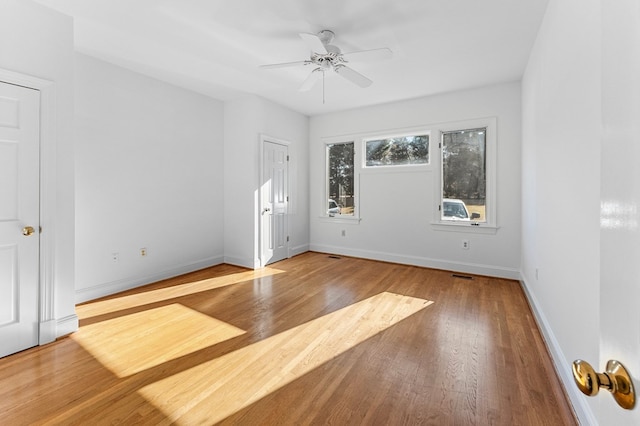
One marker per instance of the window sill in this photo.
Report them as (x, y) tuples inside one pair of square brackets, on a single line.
[(465, 227), (340, 219)]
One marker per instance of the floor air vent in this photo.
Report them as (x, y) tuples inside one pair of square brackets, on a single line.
[(464, 277), (334, 257)]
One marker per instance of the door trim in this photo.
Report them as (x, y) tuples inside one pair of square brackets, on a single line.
[(48, 184), (266, 138)]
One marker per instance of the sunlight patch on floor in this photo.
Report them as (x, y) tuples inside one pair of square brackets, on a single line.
[(116, 342), (212, 391), (107, 306)]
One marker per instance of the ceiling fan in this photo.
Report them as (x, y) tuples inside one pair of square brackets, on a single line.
[(326, 57)]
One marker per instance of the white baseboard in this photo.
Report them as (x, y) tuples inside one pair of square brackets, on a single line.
[(294, 251), (47, 332), (562, 365), (469, 268), (242, 262), (66, 325), (251, 264), (106, 289), (51, 330)]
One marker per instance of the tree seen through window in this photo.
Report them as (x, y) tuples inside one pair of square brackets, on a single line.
[(395, 151), (340, 178), (464, 175)]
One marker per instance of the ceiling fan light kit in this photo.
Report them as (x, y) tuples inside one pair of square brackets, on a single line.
[(326, 57)]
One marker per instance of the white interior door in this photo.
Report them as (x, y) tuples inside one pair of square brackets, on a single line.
[(19, 217), (274, 201), (620, 204)]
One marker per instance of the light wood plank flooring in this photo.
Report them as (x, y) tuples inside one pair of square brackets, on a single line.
[(310, 340)]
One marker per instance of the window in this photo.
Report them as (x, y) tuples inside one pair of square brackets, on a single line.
[(340, 179), (467, 184), (397, 150), (459, 181)]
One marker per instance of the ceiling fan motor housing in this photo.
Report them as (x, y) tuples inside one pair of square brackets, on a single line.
[(327, 59)]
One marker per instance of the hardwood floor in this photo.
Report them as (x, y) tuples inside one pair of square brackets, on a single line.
[(309, 340)]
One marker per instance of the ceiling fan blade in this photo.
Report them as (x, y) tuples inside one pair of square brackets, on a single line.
[(285, 64), (314, 43), (369, 55), (311, 80), (353, 76)]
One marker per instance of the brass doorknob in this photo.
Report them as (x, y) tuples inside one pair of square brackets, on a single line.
[(616, 379), (28, 231)]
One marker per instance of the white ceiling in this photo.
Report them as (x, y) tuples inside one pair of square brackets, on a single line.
[(216, 46)]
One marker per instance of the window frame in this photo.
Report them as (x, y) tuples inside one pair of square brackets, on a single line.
[(326, 142), (490, 226)]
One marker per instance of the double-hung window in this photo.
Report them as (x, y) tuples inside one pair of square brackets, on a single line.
[(467, 166), (340, 179)]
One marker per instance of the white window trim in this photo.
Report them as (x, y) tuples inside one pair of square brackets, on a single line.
[(491, 224), (356, 180), (340, 219)]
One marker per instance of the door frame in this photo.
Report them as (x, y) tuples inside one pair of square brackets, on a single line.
[(48, 185), (263, 139)]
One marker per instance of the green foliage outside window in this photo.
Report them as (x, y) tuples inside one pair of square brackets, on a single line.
[(395, 151), (340, 175), (464, 172)]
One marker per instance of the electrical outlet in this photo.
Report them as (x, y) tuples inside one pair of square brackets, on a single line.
[(143, 251), (465, 244), (115, 257)]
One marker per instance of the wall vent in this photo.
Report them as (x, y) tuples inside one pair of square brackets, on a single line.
[(464, 277)]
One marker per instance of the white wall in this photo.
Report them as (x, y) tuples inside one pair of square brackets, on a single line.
[(561, 184), (37, 41), (245, 120), (149, 170), (241, 161), (397, 208)]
